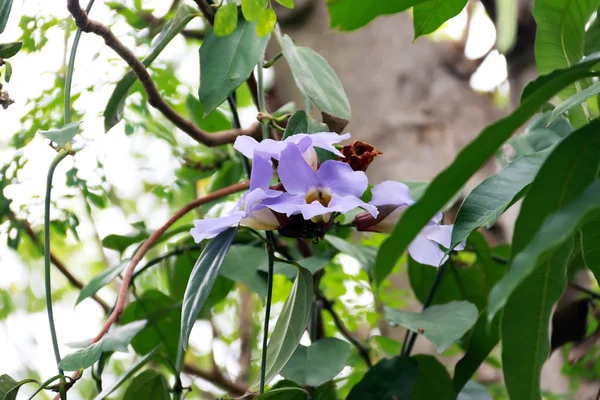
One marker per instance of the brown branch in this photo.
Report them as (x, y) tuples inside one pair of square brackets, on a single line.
[(245, 335), (147, 245), (154, 97), (217, 378)]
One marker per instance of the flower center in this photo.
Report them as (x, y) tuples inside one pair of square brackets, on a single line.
[(321, 195)]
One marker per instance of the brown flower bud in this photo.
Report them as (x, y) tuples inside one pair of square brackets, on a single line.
[(359, 155)]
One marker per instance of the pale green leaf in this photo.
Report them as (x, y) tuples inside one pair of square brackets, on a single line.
[(252, 9), (266, 22), (63, 135), (226, 19)]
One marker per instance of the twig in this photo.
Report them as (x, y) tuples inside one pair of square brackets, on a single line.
[(143, 249), (217, 378), (154, 97)]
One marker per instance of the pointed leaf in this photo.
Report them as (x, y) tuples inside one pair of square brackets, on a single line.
[(82, 359), (7, 50), (388, 379), (430, 15), (348, 15), (119, 338), (63, 135), (226, 19), (101, 280), (5, 7), (227, 62), (575, 100), (431, 370), (442, 324), (148, 385), (201, 281), (266, 22), (9, 388)]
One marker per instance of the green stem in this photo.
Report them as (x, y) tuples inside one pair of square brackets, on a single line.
[(269, 64), (48, 282), (261, 101), (271, 261)]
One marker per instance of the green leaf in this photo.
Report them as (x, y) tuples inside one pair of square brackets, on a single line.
[(286, 3), (127, 374), (441, 324), (575, 100), (5, 7), (315, 77), (81, 359), (119, 338), (430, 371), (113, 112), (252, 9), (592, 38), (63, 135), (7, 71), (474, 391), (387, 345), (488, 200), (301, 122), (266, 22), (560, 38), (148, 385), (101, 280), (365, 255), (388, 379), (226, 19), (120, 243), (281, 393), (318, 363), (9, 388), (468, 162), (568, 170), (227, 62), (202, 280), (590, 243), (290, 325), (242, 264), (348, 15), (7, 50), (430, 15), (216, 121)]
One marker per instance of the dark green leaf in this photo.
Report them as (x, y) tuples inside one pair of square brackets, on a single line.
[(318, 363), (575, 100), (63, 135), (227, 62), (592, 38), (7, 71), (7, 50), (5, 6), (121, 242), (387, 345), (559, 41), (348, 15), (101, 280), (148, 385), (252, 9), (315, 77), (201, 281), (430, 15), (214, 122), (281, 393), (468, 162), (9, 388), (226, 19), (365, 255), (266, 22), (474, 391), (82, 359), (389, 379), (242, 264), (430, 371), (113, 111), (301, 122), (441, 324), (590, 236)]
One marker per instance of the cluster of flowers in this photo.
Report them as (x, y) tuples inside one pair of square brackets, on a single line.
[(310, 194)]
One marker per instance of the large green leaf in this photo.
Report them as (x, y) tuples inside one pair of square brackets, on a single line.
[(347, 15), (468, 161), (315, 77), (148, 385), (301, 122), (201, 281), (318, 363), (560, 40), (227, 62), (430, 15), (5, 6), (592, 38), (290, 325), (113, 112), (388, 379), (433, 381), (101, 280), (442, 324)]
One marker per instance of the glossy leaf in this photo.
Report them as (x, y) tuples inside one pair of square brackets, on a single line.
[(468, 162), (201, 281), (252, 9), (63, 135), (560, 39), (576, 100), (315, 77), (266, 22), (430, 371), (365, 255), (101, 280), (148, 385), (7, 50), (301, 122), (430, 15), (7, 71), (113, 112), (348, 15), (281, 393), (290, 325), (318, 363), (5, 7), (286, 3), (388, 379), (442, 324), (227, 62), (226, 19)]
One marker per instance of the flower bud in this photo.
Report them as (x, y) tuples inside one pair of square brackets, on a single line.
[(262, 219), (359, 155), (385, 221), (310, 156)]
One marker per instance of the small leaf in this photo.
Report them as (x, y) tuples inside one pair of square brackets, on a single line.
[(63, 135), (148, 385), (120, 243), (5, 7), (202, 280), (286, 3), (506, 25), (575, 100), (442, 325), (119, 338), (318, 363), (7, 71), (281, 393), (7, 50), (226, 19), (301, 122), (388, 379), (101, 280), (82, 359), (266, 22), (430, 15), (252, 9), (431, 370)]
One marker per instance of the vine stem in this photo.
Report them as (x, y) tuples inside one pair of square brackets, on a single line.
[(261, 99), (48, 280), (271, 262)]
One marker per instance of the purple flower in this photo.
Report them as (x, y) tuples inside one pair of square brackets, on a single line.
[(249, 211), (392, 199), (247, 145), (334, 187)]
